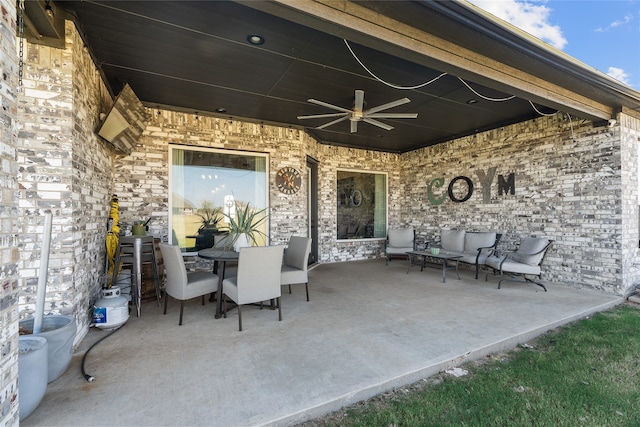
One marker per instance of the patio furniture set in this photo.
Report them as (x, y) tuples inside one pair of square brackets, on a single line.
[(261, 272), (473, 248)]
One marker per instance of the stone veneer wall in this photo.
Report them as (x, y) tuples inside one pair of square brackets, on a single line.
[(568, 187), (64, 169), (142, 177), (9, 218)]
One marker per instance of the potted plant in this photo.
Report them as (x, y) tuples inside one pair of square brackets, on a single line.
[(244, 226), (210, 217)]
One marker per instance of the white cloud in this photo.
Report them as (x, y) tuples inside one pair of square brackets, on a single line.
[(619, 74), (617, 23), (534, 19)]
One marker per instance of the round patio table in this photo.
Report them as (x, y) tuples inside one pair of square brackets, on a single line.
[(220, 256)]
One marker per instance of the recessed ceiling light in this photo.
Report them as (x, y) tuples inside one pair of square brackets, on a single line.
[(221, 110), (472, 101), (255, 39)]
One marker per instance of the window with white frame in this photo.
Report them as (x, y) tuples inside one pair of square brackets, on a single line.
[(204, 186), (362, 205)]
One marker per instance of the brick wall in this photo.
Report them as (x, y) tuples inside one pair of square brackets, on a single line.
[(568, 186), (567, 176), (8, 218), (66, 170)]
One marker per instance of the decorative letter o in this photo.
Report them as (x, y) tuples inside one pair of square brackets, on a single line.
[(469, 185)]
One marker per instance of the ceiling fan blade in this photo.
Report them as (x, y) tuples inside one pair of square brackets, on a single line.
[(377, 123), (393, 115), (388, 105), (354, 126), (333, 122), (359, 102), (325, 104), (321, 116)]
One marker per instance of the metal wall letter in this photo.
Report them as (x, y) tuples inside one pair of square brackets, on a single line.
[(439, 183), (485, 183), (508, 185), (469, 189)]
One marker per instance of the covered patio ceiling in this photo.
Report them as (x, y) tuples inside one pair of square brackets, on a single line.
[(196, 57)]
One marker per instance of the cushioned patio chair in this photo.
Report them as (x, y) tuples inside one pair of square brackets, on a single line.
[(525, 261), (182, 285), (399, 242), (258, 278), (295, 263), (478, 246)]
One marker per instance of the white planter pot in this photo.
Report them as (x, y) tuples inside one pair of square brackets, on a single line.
[(242, 241), (32, 373), (59, 331)]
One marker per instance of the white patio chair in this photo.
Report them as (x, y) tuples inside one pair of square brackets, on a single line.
[(295, 263), (399, 242), (525, 261), (258, 278), (182, 285)]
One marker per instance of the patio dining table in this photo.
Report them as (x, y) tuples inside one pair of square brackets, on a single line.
[(220, 256)]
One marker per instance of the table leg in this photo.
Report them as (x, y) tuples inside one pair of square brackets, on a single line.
[(212, 297), (220, 279), (444, 271)]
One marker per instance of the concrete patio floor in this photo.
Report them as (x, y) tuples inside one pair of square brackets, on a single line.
[(368, 328)]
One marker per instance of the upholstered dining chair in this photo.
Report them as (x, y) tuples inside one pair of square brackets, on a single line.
[(295, 263), (399, 242), (258, 278), (525, 262), (182, 285)]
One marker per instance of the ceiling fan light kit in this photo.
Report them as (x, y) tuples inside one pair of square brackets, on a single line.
[(358, 113)]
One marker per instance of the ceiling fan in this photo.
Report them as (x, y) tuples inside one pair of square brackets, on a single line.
[(357, 114)]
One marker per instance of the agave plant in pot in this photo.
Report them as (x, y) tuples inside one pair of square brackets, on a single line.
[(245, 225)]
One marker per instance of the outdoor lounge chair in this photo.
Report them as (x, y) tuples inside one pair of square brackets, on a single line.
[(526, 261), (182, 285), (295, 263), (399, 242)]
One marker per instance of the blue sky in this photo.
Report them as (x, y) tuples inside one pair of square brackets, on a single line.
[(604, 34)]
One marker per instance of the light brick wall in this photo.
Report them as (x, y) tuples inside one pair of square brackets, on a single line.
[(568, 187), (64, 169), (9, 218)]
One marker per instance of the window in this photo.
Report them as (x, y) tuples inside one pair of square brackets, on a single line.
[(204, 185), (362, 205)]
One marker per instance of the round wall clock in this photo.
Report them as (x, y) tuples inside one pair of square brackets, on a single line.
[(288, 180)]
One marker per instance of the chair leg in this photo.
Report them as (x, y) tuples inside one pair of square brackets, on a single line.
[(166, 298), (239, 318), (224, 306), (181, 310), (202, 299), (289, 289), (526, 280), (279, 309), (306, 285)]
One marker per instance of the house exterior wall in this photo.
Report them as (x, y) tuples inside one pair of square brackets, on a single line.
[(566, 176), (571, 185), (9, 280), (66, 170)]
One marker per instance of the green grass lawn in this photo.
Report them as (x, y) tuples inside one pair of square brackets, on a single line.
[(584, 374)]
